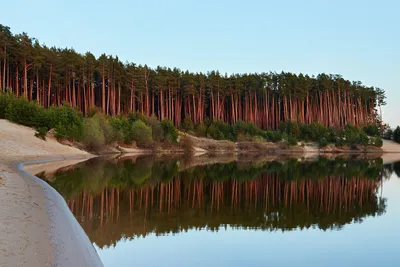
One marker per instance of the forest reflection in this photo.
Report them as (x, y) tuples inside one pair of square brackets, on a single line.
[(130, 197)]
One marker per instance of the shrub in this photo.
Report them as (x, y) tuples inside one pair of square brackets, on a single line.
[(215, 133), (142, 133), (351, 134), (187, 124), (135, 116), (220, 130), (67, 121), (41, 133), (313, 131), (371, 130), (290, 127), (396, 134), (5, 100), (170, 132), (322, 142), (274, 136), (378, 142), (93, 111), (157, 130), (93, 136), (201, 130), (121, 130), (291, 140), (25, 112), (364, 139)]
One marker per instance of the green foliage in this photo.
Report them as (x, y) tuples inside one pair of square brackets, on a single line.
[(274, 136), (201, 130), (292, 140), (67, 122), (322, 142), (220, 130), (378, 142), (93, 111), (41, 133), (25, 112), (312, 132), (157, 129), (93, 135), (142, 134), (121, 129), (371, 130), (187, 124), (364, 139), (396, 134), (351, 134), (290, 127), (170, 132)]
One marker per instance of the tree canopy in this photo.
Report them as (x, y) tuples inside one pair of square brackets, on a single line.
[(52, 75)]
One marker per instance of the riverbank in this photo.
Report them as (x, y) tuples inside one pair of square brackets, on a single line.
[(34, 224)]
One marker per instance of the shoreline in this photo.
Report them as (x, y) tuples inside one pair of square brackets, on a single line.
[(76, 250)]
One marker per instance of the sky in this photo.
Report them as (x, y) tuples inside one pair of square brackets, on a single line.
[(359, 39)]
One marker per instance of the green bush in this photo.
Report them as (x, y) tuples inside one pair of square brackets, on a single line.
[(371, 130), (25, 112), (187, 124), (378, 142), (142, 134), (322, 142), (312, 132), (67, 122), (201, 130), (221, 130), (121, 129), (274, 136), (351, 134), (214, 132), (290, 127), (157, 129), (364, 139), (93, 135), (170, 132), (41, 133), (5, 100), (291, 140)]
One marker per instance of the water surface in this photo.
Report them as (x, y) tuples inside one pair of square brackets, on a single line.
[(171, 211)]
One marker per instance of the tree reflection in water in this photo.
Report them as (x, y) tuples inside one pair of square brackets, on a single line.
[(131, 197)]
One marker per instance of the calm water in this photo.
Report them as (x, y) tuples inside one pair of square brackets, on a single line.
[(166, 211)]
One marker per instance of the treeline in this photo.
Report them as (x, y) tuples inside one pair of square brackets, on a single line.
[(53, 76)]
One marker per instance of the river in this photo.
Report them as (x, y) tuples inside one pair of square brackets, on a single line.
[(230, 211)]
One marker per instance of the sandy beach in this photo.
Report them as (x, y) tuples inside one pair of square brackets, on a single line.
[(36, 225)]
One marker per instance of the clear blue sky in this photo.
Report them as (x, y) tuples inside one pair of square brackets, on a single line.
[(359, 39)]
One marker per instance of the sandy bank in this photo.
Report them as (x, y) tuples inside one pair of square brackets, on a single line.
[(37, 227)]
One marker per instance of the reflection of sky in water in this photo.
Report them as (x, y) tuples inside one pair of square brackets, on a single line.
[(375, 242)]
